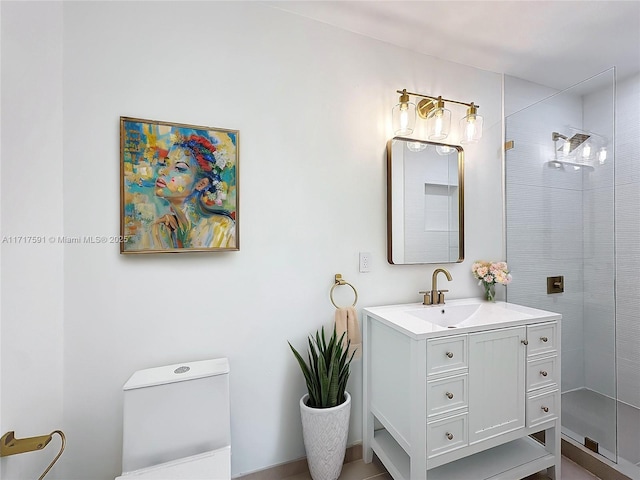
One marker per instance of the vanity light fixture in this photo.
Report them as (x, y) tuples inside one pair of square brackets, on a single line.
[(438, 117)]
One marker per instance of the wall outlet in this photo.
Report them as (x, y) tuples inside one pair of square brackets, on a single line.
[(365, 262)]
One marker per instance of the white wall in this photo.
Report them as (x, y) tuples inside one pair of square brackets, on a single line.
[(32, 321), (313, 106)]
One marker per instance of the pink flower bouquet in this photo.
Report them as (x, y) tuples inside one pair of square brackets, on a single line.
[(490, 273)]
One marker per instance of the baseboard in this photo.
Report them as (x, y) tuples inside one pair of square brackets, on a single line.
[(296, 467)]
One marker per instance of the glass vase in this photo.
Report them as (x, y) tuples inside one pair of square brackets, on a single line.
[(490, 292)]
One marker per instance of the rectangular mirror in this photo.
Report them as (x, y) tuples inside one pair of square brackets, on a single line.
[(425, 202)]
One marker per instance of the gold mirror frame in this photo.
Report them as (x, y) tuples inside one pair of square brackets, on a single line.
[(396, 181)]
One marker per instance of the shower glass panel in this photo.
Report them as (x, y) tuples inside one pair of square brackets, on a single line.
[(560, 222)]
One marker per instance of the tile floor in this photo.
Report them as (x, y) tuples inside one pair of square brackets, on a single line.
[(359, 470)]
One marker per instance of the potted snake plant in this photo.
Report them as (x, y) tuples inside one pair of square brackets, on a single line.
[(326, 407)]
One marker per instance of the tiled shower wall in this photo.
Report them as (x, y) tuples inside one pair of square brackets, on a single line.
[(627, 216), (588, 306), (599, 238), (544, 209)]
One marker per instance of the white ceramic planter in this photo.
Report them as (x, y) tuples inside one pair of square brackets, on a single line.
[(325, 433)]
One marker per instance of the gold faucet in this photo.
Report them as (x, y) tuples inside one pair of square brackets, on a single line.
[(435, 296)]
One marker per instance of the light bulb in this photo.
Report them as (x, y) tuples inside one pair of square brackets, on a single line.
[(470, 129), (566, 147), (438, 127), (602, 155), (404, 116), (586, 150)]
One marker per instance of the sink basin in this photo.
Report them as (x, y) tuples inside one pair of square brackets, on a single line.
[(447, 316)]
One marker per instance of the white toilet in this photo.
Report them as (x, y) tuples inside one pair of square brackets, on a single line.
[(177, 423)]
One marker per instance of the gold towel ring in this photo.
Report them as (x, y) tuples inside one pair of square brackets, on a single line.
[(340, 281)]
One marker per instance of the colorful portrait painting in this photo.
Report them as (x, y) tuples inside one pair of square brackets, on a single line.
[(179, 187)]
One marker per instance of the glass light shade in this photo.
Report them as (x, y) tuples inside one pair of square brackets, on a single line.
[(404, 118), (586, 151), (471, 128), (438, 124)]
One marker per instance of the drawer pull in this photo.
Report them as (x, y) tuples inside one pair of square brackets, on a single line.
[(449, 436), (545, 409), (450, 354), (449, 395), (544, 339), (524, 342), (543, 373)]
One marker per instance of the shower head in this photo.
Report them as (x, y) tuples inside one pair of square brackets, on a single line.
[(555, 136), (575, 141)]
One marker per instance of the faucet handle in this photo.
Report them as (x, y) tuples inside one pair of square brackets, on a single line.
[(427, 298), (441, 296)]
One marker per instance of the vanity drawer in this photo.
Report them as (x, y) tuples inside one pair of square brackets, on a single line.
[(446, 435), (542, 407), (446, 354), (542, 372), (447, 394), (542, 338)]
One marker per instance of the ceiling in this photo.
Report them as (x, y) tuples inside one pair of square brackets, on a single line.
[(552, 43)]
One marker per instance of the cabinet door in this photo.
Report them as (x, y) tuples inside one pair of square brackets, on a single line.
[(496, 382)]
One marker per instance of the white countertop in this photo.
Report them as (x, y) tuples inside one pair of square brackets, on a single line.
[(485, 316)]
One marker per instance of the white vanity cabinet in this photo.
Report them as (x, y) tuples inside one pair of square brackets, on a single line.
[(459, 403)]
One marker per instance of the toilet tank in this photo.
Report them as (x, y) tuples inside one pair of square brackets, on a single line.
[(175, 411)]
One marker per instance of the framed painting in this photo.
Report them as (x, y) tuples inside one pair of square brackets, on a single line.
[(179, 187)]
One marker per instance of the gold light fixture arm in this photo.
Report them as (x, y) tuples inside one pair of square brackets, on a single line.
[(437, 98), (437, 116), (10, 445)]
